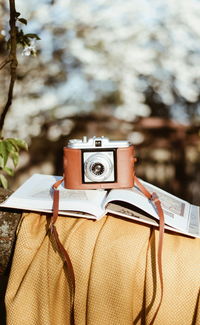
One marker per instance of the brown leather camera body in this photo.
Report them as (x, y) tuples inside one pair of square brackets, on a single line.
[(73, 173)]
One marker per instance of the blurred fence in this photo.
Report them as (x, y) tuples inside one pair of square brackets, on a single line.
[(170, 157), (168, 154)]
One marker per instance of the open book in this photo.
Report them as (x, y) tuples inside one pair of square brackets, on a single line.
[(36, 194)]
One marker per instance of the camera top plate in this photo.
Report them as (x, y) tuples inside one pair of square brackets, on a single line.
[(96, 142)]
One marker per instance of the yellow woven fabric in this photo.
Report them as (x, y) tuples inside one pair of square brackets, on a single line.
[(116, 278)]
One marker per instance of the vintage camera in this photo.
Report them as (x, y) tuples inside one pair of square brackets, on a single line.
[(98, 163)]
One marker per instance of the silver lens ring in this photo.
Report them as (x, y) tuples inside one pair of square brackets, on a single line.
[(98, 167)]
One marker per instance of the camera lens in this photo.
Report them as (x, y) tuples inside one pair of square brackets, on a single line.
[(97, 168)]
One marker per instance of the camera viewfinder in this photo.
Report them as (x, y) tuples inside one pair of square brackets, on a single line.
[(98, 143)]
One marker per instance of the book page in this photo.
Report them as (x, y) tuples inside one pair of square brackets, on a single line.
[(176, 211), (126, 212), (36, 194), (130, 213), (194, 221)]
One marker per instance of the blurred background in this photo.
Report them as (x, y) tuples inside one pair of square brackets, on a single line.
[(126, 69)]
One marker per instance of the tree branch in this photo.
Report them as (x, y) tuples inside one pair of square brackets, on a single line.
[(3, 64), (12, 58)]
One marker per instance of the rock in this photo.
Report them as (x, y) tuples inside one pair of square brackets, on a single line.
[(9, 220)]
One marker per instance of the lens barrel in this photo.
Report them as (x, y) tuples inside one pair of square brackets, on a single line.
[(98, 167)]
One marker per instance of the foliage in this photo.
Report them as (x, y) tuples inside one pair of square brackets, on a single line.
[(9, 150), (10, 147), (24, 39)]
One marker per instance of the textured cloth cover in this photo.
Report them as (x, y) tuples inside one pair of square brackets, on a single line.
[(117, 280)]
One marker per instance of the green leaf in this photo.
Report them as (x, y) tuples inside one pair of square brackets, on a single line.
[(18, 143), (13, 142), (3, 181), (15, 157), (9, 171), (32, 36), (3, 151), (10, 147), (23, 21), (1, 162), (21, 144)]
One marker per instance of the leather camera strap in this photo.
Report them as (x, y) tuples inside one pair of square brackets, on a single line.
[(62, 251), (67, 262), (155, 200)]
